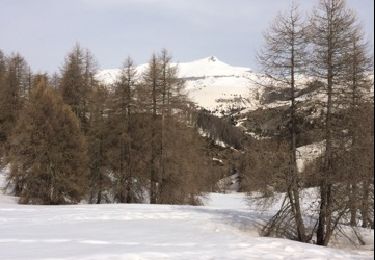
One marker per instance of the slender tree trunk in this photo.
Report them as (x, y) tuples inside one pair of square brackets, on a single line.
[(153, 177), (353, 180), (365, 205), (162, 165), (325, 187), (122, 173), (100, 179), (129, 182), (294, 194), (99, 199), (353, 204)]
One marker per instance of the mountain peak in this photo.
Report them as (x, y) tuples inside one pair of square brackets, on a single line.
[(212, 59)]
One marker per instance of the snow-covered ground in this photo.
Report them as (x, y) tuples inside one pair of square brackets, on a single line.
[(225, 228)]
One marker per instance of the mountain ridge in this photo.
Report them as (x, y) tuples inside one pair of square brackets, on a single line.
[(210, 83)]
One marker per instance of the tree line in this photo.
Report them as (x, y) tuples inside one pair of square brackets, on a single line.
[(69, 138)]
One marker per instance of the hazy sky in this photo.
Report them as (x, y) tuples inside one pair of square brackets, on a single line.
[(45, 30)]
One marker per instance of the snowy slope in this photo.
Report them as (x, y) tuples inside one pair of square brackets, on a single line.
[(220, 87), (211, 83), (201, 68), (225, 228)]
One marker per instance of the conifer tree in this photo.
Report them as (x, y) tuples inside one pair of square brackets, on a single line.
[(122, 155), (358, 82), (77, 81), (2, 103), (283, 58), (332, 28), (151, 83), (47, 150), (97, 140), (172, 179), (14, 89)]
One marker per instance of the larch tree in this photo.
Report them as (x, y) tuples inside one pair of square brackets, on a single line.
[(14, 88), (123, 157), (358, 81), (178, 182), (152, 86), (77, 81), (98, 144), (168, 84), (47, 150), (283, 59), (365, 163), (166, 107), (332, 28), (3, 130)]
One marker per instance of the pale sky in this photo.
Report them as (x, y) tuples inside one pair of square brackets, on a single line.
[(45, 30)]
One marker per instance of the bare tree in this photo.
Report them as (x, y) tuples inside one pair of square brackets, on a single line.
[(358, 83), (283, 59), (151, 81), (97, 139), (122, 155), (332, 27)]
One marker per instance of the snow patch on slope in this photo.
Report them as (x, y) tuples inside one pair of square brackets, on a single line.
[(210, 83), (308, 153)]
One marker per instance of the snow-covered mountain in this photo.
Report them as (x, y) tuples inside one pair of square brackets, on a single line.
[(210, 83), (219, 87)]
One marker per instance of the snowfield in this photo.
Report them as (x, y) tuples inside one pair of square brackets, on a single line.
[(226, 228), (220, 87), (210, 83)]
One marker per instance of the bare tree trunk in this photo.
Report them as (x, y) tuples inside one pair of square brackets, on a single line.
[(282, 58), (294, 194), (353, 204), (154, 148), (325, 187), (129, 179), (164, 89), (365, 206)]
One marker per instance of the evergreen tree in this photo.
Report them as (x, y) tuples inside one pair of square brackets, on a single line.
[(47, 150)]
